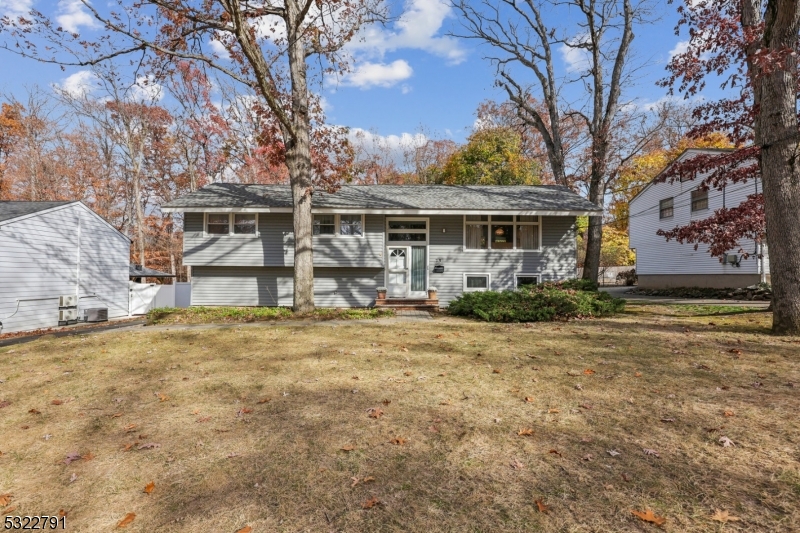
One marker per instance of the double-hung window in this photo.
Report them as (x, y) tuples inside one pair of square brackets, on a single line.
[(699, 200), (344, 225), (502, 232), (232, 224), (666, 208)]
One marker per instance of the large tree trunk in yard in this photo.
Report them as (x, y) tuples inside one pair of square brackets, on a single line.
[(594, 237), (777, 134), (298, 160)]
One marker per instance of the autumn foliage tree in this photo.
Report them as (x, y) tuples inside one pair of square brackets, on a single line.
[(752, 46), (271, 48), (491, 156)]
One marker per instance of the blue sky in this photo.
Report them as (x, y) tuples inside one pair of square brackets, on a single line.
[(408, 74)]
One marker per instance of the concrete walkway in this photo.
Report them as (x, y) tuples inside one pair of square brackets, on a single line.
[(622, 292)]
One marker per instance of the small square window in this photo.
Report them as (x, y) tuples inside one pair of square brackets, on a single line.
[(218, 224), (350, 225), (699, 200), (476, 282), (244, 224), (324, 224), (665, 208)]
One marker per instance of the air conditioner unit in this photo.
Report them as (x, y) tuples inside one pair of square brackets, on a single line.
[(65, 316), (95, 314), (731, 258), (68, 300)]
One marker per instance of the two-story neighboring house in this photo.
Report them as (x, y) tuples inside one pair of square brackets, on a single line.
[(239, 241), (662, 264)]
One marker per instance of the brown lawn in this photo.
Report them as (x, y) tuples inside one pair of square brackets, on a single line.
[(445, 425)]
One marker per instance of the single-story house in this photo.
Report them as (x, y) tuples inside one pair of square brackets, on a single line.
[(663, 205), (58, 259), (239, 241)]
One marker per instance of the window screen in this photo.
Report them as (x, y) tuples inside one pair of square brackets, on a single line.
[(218, 224)]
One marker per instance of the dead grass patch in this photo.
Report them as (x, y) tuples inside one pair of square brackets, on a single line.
[(273, 426), (211, 315)]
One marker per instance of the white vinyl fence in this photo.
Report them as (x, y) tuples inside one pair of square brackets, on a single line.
[(147, 296)]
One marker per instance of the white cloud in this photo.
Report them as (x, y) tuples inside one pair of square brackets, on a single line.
[(680, 48), (71, 16), (79, 84), (145, 90), (390, 147), (368, 74), (219, 49), (15, 8), (416, 28), (576, 59)]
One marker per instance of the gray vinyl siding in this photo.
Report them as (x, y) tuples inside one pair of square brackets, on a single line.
[(270, 286), (555, 261), (39, 261), (274, 245)]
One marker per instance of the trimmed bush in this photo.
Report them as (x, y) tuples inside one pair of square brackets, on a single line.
[(537, 303)]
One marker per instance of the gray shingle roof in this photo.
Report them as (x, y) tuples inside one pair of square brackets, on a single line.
[(391, 197), (9, 210), (139, 271)]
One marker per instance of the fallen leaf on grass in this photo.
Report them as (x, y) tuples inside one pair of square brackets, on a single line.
[(72, 457), (232, 455), (648, 451), (5, 499), (4, 403), (34, 411), (613, 453), (625, 477), (585, 406), (525, 432), (62, 513), (162, 397), (88, 456), (668, 420), (578, 387), (553, 410), (368, 479), (555, 452), (150, 487), (372, 502), (355, 482), (56, 402), (726, 442), (649, 516), (589, 372), (348, 448), (375, 412), (529, 399), (116, 415), (723, 516), (542, 507), (264, 400), (729, 413), (496, 371), (398, 441), (203, 419), (245, 529), (9, 510), (243, 411), (127, 520), (588, 457), (638, 374), (149, 446), (129, 427), (516, 465), (386, 402)]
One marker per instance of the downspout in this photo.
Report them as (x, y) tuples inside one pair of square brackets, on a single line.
[(760, 250), (78, 263)]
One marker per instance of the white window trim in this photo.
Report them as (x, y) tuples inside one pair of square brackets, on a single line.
[(524, 275), (230, 226), (486, 275), (337, 224), (489, 223)]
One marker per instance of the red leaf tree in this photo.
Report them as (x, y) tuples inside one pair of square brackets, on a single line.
[(751, 47)]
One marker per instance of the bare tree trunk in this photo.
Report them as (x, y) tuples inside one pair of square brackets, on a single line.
[(775, 95), (139, 211), (298, 160)]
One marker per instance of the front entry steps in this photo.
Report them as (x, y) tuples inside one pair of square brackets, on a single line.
[(422, 304)]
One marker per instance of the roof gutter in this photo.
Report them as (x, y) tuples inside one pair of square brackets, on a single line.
[(399, 212)]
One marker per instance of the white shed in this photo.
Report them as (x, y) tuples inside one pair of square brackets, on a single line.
[(662, 264), (50, 250)]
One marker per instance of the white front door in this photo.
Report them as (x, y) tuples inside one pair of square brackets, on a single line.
[(398, 275)]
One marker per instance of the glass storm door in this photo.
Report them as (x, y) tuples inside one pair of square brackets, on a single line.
[(419, 272), (398, 274)]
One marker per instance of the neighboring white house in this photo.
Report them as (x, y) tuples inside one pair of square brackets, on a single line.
[(662, 264), (54, 249)]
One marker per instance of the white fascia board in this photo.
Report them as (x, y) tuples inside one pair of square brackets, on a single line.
[(393, 212)]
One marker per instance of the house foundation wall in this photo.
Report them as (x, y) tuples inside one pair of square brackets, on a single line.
[(715, 281)]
